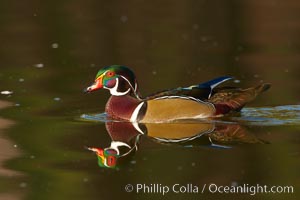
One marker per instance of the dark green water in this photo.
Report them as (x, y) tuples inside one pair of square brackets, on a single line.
[(50, 51)]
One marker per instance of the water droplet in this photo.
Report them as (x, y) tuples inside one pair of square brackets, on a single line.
[(124, 18), (32, 157), (193, 164), (54, 45), (56, 99), (39, 65), (154, 72), (21, 79), (16, 146), (17, 104), (6, 92), (236, 81)]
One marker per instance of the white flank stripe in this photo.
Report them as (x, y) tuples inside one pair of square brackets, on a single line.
[(135, 113), (137, 127)]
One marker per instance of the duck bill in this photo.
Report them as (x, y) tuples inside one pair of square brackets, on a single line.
[(95, 86)]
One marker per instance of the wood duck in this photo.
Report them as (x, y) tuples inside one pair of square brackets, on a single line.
[(126, 138), (204, 100)]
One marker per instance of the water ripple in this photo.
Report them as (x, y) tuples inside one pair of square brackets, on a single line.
[(270, 116), (260, 116)]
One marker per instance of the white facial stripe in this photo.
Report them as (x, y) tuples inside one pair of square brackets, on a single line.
[(133, 88), (114, 90), (115, 144), (135, 113), (127, 82)]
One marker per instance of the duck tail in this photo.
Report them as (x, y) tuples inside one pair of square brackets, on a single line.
[(262, 88), (232, 99)]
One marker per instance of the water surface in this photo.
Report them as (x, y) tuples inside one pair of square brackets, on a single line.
[(50, 51)]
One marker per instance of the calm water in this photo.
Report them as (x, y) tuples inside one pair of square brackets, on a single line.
[(51, 51)]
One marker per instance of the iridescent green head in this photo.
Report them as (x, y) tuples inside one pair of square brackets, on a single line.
[(119, 80), (106, 157)]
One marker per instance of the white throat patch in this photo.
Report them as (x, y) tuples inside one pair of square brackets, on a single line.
[(114, 90)]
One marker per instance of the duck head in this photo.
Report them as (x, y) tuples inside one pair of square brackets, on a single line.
[(119, 80)]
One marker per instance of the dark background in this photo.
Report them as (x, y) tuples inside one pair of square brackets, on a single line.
[(168, 44)]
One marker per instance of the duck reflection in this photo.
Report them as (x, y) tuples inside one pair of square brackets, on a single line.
[(126, 137)]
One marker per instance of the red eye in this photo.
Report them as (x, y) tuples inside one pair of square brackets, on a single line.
[(110, 74), (111, 161)]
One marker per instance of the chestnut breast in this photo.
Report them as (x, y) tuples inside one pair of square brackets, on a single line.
[(121, 107)]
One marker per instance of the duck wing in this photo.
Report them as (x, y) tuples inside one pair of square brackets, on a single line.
[(202, 91), (234, 99)]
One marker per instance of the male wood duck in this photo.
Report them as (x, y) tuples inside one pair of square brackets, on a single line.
[(126, 138), (204, 100)]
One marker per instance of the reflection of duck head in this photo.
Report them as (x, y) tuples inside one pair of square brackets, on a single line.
[(126, 137), (106, 157)]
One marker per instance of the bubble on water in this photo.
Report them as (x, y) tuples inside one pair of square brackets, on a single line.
[(21, 79), (154, 72), (54, 45), (124, 18), (256, 75), (204, 39), (236, 81), (15, 145), (23, 185), (215, 43), (32, 157), (234, 183), (193, 164), (7, 92), (185, 36), (85, 180), (92, 65), (195, 26), (17, 104), (179, 168), (133, 162), (236, 58), (286, 70), (240, 48), (56, 99), (39, 65)]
